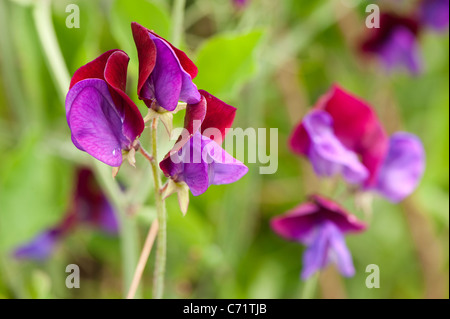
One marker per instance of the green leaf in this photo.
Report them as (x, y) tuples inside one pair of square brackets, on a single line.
[(226, 62)]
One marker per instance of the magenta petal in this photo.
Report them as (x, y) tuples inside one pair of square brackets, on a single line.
[(40, 247), (327, 154), (403, 167), (94, 121), (355, 125), (299, 223)]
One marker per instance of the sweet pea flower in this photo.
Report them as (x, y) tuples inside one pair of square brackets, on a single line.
[(103, 120), (434, 14), (342, 135), (89, 206), (201, 162), (320, 225), (165, 72), (395, 43)]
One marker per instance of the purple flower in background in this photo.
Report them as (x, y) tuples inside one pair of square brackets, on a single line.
[(402, 168), (102, 118), (89, 206), (434, 13), (201, 162), (320, 224), (40, 247), (395, 43), (165, 72), (342, 135)]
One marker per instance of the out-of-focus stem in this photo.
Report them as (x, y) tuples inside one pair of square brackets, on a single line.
[(309, 287), (161, 248), (58, 70), (178, 21)]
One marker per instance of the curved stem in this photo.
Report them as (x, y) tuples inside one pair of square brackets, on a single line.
[(160, 264), (143, 259)]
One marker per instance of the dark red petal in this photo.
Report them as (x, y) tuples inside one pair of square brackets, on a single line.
[(219, 115), (388, 23), (146, 50), (116, 77), (185, 62), (358, 128), (92, 70), (330, 210)]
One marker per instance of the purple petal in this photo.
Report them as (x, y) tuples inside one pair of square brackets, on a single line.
[(403, 167), (402, 49), (434, 13), (168, 82), (339, 252), (328, 245), (225, 168), (316, 255), (40, 247), (107, 220), (297, 224), (202, 162), (95, 124), (327, 154)]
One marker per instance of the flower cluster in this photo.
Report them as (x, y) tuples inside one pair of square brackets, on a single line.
[(89, 206), (342, 135), (396, 41), (105, 122)]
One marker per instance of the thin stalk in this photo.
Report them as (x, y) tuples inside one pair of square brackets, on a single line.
[(58, 69), (161, 248), (178, 21), (310, 286), (143, 259)]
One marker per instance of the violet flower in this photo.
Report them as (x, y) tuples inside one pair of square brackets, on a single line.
[(165, 72), (342, 135), (89, 206), (395, 43), (434, 14), (201, 162), (320, 224), (103, 120)]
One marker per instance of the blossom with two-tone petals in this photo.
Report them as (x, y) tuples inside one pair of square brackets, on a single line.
[(197, 158), (320, 225), (103, 120), (89, 206), (395, 42), (342, 135), (165, 72)]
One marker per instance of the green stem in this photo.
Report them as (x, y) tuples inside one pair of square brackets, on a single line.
[(177, 18), (161, 248), (310, 286), (58, 69)]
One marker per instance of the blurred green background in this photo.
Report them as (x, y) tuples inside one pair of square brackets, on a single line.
[(271, 60)]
